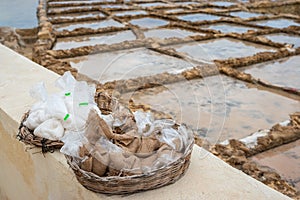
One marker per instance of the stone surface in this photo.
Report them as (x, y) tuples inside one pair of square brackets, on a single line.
[(37, 177)]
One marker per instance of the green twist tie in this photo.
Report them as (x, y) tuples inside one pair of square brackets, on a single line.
[(68, 94), (83, 104), (66, 117)]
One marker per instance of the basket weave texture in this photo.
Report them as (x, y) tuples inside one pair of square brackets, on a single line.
[(131, 184), (113, 185), (26, 135)]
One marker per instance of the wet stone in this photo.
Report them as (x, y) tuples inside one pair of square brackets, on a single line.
[(218, 107), (285, 38), (108, 38), (148, 22), (221, 49), (284, 72), (198, 17), (277, 23), (285, 160), (229, 28), (168, 33), (92, 25), (127, 64)]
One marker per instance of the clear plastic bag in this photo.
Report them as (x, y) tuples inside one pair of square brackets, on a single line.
[(72, 142), (164, 144), (70, 107), (51, 129), (144, 121), (79, 100), (35, 118), (56, 107)]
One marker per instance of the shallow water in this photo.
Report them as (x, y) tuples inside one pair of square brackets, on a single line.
[(132, 13), (114, 6), (77, 16), (244, 15), (285, 160), (168, 33), (152, 4), (92, 25), (173, 10), (186, 3), (18, 14), (228, 28), (218, 107), (108, 38), (127, 64), (148, 22), (284, 72), (277, 23), (223, 3), (198, 17), (285, 38), (61, 9), (220, 49), (66, 2)]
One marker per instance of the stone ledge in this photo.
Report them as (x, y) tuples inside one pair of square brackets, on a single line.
[(25, 174)]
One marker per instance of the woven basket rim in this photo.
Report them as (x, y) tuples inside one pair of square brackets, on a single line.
[(187, 152), (120, 185), (26, 135)]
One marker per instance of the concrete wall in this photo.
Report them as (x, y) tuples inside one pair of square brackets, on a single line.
[(26, 174)]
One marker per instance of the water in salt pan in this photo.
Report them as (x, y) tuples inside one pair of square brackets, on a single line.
[(174, 10), (152, 4), (148, 22), (198, 17), (65, 2), (18, 14), (285, 160), (127, 64), (168, 33), (114, 6), (277, 23), (221, 49), (131, 12), (108, 38), (186, 3), (61, 9), (223, 3), (77, 16), (229, 28), (92, 25), (284, 72), (285, 38), (218, 107), (244, 15)]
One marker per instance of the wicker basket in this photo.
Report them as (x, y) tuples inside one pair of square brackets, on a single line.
[(26, 135), (116, 185)]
